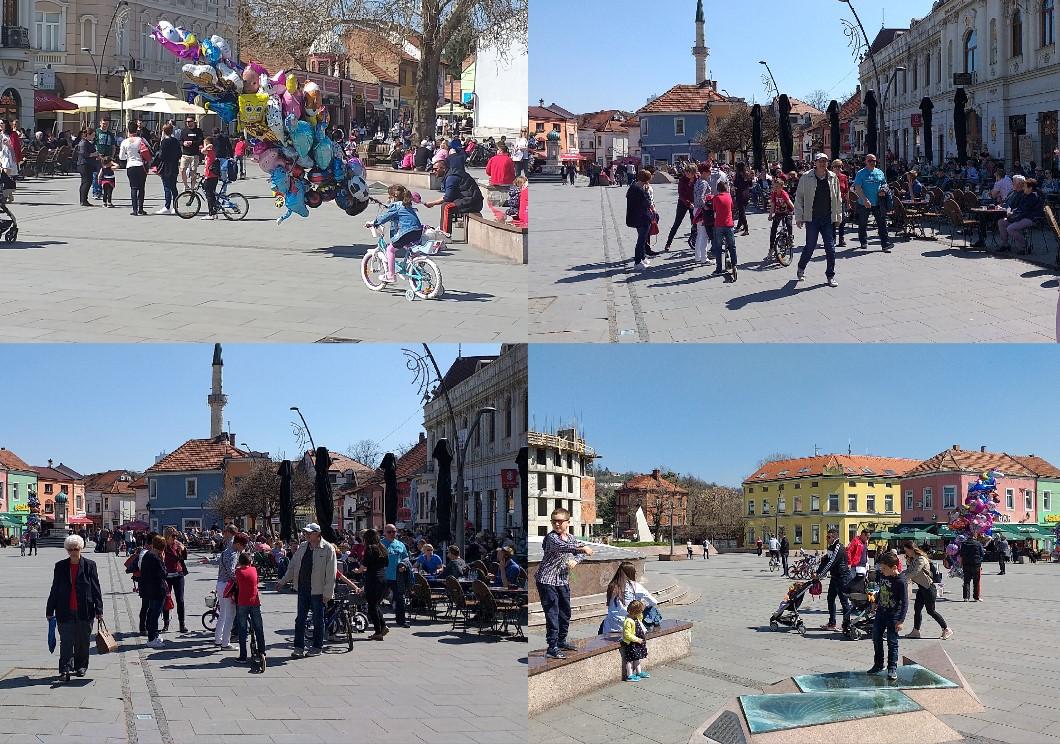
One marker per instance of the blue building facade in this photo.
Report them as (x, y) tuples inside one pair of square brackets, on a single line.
[(672, 136), (179, 498)]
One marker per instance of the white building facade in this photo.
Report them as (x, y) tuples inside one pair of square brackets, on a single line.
[(1007, 48), (560, 474), (501, 80)]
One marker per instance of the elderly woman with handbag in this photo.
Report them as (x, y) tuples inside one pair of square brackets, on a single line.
[(75, 600)]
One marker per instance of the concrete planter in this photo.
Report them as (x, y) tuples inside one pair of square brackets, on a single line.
[(674, 557)]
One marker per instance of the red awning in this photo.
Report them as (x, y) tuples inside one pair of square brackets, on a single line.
[(576, 156), (43, 101)]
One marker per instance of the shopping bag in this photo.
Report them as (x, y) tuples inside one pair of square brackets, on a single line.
[(105, 642), (51, 633), (169, 602)]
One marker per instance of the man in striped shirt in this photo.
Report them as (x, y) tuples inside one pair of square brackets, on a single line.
[(562, 552)]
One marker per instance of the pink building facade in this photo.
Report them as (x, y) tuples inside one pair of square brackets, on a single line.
[(935, 488)]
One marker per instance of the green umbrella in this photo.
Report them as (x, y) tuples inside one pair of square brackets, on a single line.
[(945, 531), (882, 535), (918, 536)]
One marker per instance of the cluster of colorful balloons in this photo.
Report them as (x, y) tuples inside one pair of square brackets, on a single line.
[(285, 126), (976, 515), (33, 518)]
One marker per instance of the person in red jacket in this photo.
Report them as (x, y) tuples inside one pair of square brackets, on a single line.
[(501, 168), (248, 605), (844, 193), (723, 232), (685, 192)]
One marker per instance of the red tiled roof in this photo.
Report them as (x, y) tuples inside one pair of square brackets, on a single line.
[(683, 98), (140, 482), (633, 121), (11, 461), (800, 107), (971, 461), (650, 482), (198, 454), (51, 473), (414, 461), (850, 107), (545, 113), (1037, 465), (859, 465), (602, 121)]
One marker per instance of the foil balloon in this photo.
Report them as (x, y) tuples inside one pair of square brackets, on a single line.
[(227, 112), (222, 46), (291, 83), (301, 137), (204, 76), (358, 189), (250, 81), (271, 159), (209, 52), (229, 77), (323, 154), (274, 118), (252, 114), (291, 105), (311, 101)]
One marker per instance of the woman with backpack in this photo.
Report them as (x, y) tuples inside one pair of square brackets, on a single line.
[(919, 572), (137, 156)]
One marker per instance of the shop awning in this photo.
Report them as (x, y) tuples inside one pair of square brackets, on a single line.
[(1018, 531), (43, 102)]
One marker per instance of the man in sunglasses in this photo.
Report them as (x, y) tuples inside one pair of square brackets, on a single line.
[(398, 554), (562, 552)]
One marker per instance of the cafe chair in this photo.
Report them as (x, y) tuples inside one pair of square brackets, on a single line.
[(487, 615), (462, 607), (957, 221)]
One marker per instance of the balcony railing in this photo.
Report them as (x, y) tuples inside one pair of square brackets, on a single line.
[(14, 36)]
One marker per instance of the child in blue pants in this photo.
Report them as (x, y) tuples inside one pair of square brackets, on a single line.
[(891, 605)]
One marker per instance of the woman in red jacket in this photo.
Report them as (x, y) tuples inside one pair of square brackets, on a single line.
[(723, 232), (248, 605)]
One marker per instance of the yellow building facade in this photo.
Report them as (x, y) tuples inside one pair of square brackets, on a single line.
[(805, 497)]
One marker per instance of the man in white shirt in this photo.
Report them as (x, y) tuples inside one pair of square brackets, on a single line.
[(774, 547), (1002, 186)]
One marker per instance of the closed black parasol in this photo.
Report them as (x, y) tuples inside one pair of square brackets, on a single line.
[(524, 493), (325, 502), (389, 466), (926, 106), (443, 531), (787, 140), (286, 502), (872, 135), (960, 126), (757, 146), (833, 123)]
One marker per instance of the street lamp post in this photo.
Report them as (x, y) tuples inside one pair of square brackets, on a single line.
[(851, 33), (883, 111), (776, 90), (461, 497), (103, 52), (308, 433)]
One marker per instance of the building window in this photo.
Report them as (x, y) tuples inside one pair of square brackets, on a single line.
[(750, 535), (47, 488), (993, 41), (1017, 33), (815, 534), (782, 505), (929, 499), (48, 24), (815, 503), (190, 487), (1048, 30), (908, 499), (508, 414), (833, 502), (1028, 495), (888, 504), (870, 503), (679, 127), (542, 481), (493, 427), (797, 486), (557, 483), (798, 534), (541, 531), (852, 503), (1009, 499), (751, 508), (750, 489), (542, 507), (88, 35), (570, 461), (971, 43), (949, 59), (121, 35), (570, 484), (927, 70), (152, 488), (949, 497), (765, 507), (540, 456), (916, 72), (798, 504), (1046, 500), (852, 484)]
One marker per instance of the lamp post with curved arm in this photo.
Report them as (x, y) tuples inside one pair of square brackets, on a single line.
[(856, 44), (103, 52)]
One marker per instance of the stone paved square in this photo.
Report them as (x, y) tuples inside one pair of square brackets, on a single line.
[(420, 685), (583, 287), (101, 275), (1003, 646)]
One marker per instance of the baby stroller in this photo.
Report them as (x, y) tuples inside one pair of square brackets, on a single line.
[(861, 591), (788, 611), (8, 223)]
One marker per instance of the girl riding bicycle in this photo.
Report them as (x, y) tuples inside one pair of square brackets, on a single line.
[(780, 208), (406, 230)]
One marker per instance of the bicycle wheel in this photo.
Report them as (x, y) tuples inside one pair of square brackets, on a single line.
[(344, 621), (188, 204), (360, 622), (209, 620), (233, 206), (373, 267), (784, 248), (425, 278)]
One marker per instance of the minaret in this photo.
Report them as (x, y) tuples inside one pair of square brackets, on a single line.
[(216, 399), (700, 51)]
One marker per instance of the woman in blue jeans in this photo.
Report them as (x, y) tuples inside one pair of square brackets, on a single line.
[(640, 215), (167, 161), (153, 588)]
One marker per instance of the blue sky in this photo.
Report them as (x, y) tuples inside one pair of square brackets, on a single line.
[(715, 411), (599, 54), (102, 407)]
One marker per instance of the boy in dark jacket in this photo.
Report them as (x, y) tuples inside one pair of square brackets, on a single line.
[(972, 566), (891, 605)]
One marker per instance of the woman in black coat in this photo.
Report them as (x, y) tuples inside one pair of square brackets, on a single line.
[(639, 216), (153, 587), (168, 162), (75, 600)]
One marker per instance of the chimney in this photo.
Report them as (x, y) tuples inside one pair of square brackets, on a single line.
[(423, 437), (49, 462), (982, 448), (541, 102), (956, 448), (232, 439), (655, 474)]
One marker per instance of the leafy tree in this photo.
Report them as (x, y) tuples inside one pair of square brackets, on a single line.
[(290, 27)]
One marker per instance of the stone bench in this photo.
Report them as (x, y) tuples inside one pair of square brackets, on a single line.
[(498, 238), (597, 663), (410, 179)]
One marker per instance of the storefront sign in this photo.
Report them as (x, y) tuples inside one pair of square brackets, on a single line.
[(20, 508), (509, 478), (916, 120), (1052, 518)]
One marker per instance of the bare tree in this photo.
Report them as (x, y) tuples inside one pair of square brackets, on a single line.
[(819, 99), (774, 457), (733, 133), (291, 26), (716, 510), (368, 451), (258, 493)]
